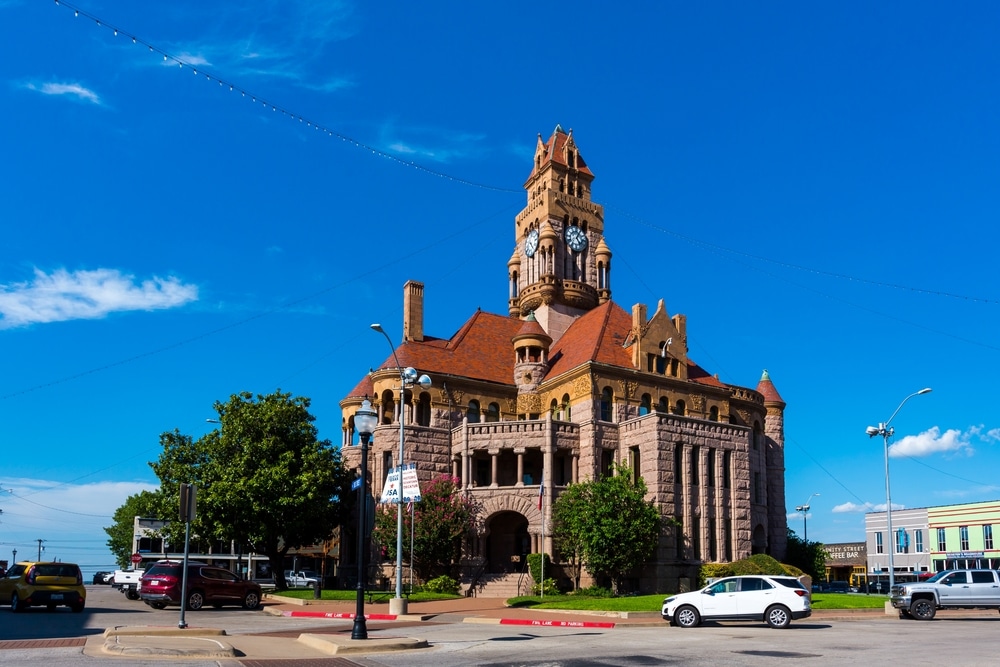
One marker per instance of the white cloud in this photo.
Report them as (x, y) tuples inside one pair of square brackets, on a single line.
[(68, 518), (82, 93), (932, 441), (851, 507), (65, 295)]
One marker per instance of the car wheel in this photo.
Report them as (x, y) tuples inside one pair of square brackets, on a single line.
[(15, 603), (196, 600), (922, 609), (132, 594), (78, 607), (251, 600), (778, 616), (687, 617)]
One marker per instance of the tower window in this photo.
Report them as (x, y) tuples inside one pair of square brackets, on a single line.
[(607, 398), (473, 412)]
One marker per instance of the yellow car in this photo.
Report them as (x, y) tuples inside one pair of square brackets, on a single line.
[(49, 584)]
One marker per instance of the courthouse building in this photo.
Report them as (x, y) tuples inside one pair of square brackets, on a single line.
[(565, 384)]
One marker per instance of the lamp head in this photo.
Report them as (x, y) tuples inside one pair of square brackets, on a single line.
[(409, 375), (377, 327), (871, 431), (424, 382), (926, 390), (365, 419)]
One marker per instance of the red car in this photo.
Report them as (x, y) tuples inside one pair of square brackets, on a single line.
[(206, 585)]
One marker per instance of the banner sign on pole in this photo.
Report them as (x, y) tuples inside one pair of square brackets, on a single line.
[(410, 491)]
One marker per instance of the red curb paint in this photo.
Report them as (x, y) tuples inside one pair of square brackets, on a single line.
[(556, 624), (337, 614)]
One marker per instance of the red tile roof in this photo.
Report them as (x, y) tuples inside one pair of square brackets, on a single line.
[(766, 387), (481, 349), (554, 152)]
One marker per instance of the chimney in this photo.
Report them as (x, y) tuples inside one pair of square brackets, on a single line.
[(413, 311), (638, 317)]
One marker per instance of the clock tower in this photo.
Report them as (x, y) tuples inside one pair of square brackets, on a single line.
[(561, 267)]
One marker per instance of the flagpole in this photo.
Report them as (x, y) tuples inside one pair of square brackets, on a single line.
[(541, 508)]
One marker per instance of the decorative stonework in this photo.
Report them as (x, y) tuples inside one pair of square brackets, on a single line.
[(529, 404), (744, 416), (627, 388), (511, 405), (583, 387), (698, 403)]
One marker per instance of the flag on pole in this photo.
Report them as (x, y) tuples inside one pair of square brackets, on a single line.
[(541, 491)]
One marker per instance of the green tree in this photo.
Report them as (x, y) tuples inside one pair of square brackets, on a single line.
[(147, 504), (571, 512), (264, 478), (810, 557), (442, 518), (614, 529)]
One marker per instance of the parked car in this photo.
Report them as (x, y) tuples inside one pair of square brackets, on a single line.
[(775, 600), (127, 582), (950, 589), (301, 579), (215, 586), (43, 584), (103, 578)]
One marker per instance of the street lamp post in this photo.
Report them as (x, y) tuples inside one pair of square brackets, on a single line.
[(804, 508), (15, 555), (364, 420), (886, 431), (407, 378)]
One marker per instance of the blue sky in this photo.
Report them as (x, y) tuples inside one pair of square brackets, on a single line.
[(814, 185)]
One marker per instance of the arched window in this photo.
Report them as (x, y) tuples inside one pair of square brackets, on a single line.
[(423, 416), (554, 409), (473, 412), (567, 412), (645, 407), (493, 412), (663, 406), (713, 413), (388, 407), (679, 407), (607, 399)]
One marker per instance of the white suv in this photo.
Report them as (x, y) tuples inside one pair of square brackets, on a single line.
[(775, 600)]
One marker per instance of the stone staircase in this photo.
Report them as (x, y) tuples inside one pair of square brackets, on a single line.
[(502, 585)]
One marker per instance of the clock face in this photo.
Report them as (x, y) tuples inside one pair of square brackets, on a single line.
[(531, 243), (576, 239)]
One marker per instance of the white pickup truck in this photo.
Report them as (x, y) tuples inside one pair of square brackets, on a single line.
[(951, 589), (301, 578), (127, 581)]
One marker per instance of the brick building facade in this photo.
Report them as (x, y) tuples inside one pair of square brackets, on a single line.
[(567, 383)]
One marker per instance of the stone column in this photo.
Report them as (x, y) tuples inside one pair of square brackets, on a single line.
[(520, 466), (494, 459), (575, 459)]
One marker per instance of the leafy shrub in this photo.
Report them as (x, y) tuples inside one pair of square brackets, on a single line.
[(535, 565), (442, 584), (548, 588), (714, 571), (595, 592), (767, 564), (756, 564)]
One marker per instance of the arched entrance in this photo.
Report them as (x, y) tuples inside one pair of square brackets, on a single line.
[(506, 538), (759, 545)]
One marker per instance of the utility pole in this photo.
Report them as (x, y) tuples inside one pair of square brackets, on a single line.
[(40, 547)]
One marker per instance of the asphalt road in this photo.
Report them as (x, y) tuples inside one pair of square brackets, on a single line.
[(949, 640)]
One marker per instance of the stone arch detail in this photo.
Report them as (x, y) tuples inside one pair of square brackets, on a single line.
[(509, 503)]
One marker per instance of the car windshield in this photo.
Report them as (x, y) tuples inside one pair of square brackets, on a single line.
[(938, 577)]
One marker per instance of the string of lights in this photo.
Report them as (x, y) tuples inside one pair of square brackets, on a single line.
[(270, 104), (276, 107)]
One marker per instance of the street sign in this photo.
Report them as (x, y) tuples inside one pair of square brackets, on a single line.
[(356, 484), (136, 559)]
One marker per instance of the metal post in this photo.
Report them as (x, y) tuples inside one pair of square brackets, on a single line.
[(400, 603), (360, 630)]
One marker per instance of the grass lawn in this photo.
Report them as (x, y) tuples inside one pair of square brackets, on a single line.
[(376, 596), (654, 602)]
